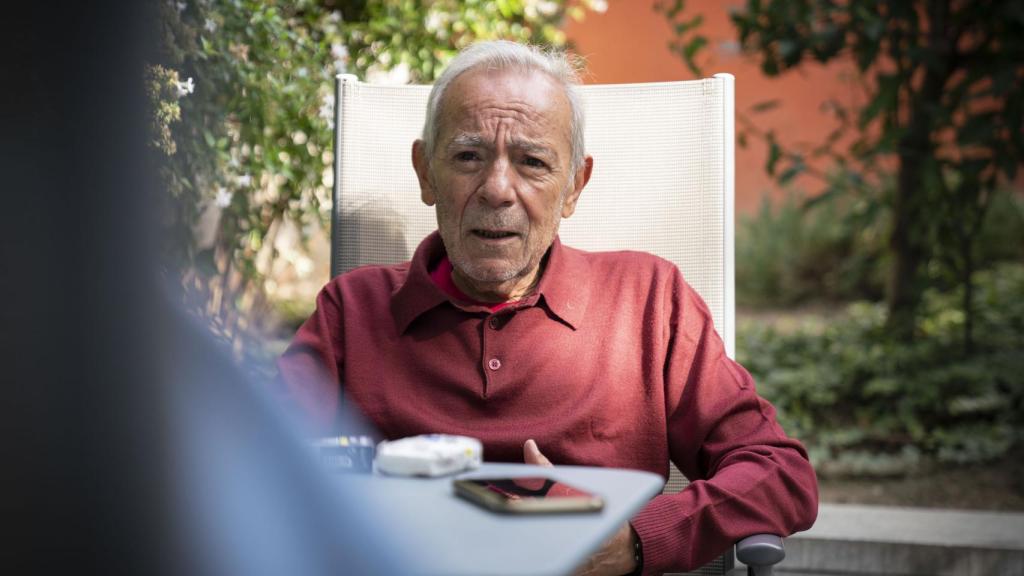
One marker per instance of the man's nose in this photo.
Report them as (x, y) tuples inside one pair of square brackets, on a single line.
[(497, 188)]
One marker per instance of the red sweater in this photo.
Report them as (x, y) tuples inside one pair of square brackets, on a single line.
[(613, 361)]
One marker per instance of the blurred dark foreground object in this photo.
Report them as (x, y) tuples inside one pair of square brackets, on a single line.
[(131, 445), (249, 496)]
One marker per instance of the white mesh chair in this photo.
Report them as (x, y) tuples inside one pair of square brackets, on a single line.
[(662, 183)]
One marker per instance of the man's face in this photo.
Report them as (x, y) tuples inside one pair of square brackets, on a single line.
[(500, 177)]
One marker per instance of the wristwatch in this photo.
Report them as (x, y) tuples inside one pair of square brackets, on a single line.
[(638, 553)]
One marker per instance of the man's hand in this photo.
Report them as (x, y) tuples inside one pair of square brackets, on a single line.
[(615, 558), (532, 455)]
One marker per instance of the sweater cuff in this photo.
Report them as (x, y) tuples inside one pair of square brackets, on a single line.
[(664, 535)]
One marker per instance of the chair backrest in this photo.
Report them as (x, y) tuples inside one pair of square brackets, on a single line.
[(663, 182)]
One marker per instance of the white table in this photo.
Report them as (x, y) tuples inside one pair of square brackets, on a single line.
[(442, 534)]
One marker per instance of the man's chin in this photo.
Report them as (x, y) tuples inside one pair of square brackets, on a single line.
[(483, 271)]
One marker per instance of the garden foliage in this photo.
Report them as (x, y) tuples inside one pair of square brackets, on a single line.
[(790, 254), (251, 151), (865, 402), (794, 252), (945, 108)]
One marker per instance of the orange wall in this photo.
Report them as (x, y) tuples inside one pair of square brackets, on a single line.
[(629, 43)]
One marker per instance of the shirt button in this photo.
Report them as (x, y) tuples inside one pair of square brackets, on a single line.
[(494, 323), (494, 363)]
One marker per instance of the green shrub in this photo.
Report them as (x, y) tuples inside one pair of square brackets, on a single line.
[(867, 404), (1002, 234), (826, 250), (791, 252)]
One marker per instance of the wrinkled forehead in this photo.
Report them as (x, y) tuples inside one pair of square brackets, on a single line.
[(529, 102)]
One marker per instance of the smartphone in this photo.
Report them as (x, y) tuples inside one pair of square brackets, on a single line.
[(527, 495)]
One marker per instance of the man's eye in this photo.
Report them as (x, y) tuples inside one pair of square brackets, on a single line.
[(534, 162), (466, 156)]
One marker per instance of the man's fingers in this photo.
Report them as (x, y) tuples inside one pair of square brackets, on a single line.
[(532, 455)]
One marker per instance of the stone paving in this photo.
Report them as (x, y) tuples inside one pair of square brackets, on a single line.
[(853, 540)]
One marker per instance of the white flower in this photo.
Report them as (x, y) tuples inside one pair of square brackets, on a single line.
[(244, 180), (210, 26), (303, 266), (326, 111), (185, 88), (434, 22), (394, 77), (302, 72), (223, 198), (181, 6), (600, 6), (339, 52), (547, 8)]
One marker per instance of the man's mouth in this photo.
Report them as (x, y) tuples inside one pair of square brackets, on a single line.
[(494, 234)]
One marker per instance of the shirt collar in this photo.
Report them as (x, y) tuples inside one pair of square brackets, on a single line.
[(564, 288), (418, 293)]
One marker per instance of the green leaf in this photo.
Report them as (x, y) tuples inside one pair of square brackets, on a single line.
[(671, 10), (885, 99), (765, 105), (977, 130), (796, 168), (687, 25), (774, 153), (693, 47)]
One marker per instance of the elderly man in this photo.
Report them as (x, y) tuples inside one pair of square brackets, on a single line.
[(498, 331)]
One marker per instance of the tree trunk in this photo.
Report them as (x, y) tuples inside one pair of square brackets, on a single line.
[(968, 303), (903, 290), (908, 235)]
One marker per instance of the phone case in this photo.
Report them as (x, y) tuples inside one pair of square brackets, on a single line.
[(494, 500)]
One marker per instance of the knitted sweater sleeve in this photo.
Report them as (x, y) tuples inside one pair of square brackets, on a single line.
[(747, 477), (311, 367)]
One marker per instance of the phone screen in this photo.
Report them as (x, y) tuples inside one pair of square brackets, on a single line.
[(529, 494)]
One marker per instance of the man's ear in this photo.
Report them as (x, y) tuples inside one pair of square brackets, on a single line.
[(580, 180), (421, 164)]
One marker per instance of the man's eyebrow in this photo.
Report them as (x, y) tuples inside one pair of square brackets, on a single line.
[(470, 140), (532, 147), (478, 141)]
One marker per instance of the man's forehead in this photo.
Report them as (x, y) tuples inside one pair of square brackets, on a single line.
[(510, 81), (529, 102)]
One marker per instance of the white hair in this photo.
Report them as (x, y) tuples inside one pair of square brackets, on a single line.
[(505, 55)]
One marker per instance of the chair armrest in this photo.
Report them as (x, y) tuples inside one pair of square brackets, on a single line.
[(760, 552)]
